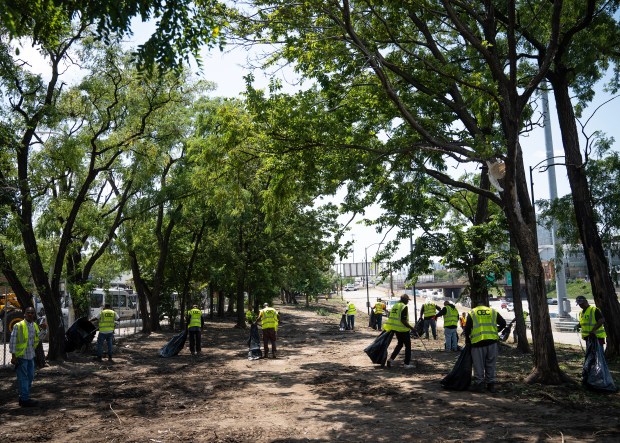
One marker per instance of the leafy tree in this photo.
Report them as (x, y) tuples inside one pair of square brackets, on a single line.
[(182, 27), (448, 75)]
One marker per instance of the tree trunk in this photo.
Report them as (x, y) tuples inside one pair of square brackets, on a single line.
[(141, 290), (598, 269), (522, 343), (479, 291), (522, 223)]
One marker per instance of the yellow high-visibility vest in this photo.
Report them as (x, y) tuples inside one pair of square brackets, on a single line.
[(430, 310), (106, 320), (484, 324), (351, 309), (195, 317), (587, 320), (452, 316), (379, 307), (21, 343), (394, 323), (269, 319)]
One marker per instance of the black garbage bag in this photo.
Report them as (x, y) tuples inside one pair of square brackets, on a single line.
[(343, 323), (254, 343), (378, 349), (372, 323), (174, 346), (80, 333), (418, 328), (459, 377), (503, 336), (595, 374)]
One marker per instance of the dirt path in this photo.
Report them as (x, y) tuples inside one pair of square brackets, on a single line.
[(322, 388)]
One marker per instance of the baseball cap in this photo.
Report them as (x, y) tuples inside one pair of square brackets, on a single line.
[(580, 299), (405, 297)]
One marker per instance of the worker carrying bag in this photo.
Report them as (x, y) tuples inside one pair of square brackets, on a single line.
[(459, 377)]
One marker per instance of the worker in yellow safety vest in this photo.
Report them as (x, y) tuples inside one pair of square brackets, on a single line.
[(482, 332), (450, 322), (107, 322), (429, 313), (350, 311), (195, 322), (379, 309), (591, 321), (270, 319), (25, 338), (398, 321)]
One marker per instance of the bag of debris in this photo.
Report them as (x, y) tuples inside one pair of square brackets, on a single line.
[(459, 377), (418, 328), (343, 323), (372, 322), (174, 346), (378, 349), (254, 343), (503, 336), (79, 334), (595, 374)]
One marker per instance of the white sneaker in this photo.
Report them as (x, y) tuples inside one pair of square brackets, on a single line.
[(412, 366)]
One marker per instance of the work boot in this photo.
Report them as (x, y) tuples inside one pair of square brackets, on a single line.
[(110, 358), (98, 358), (478, 387), (390, 362), (28, 403), (273, 355), (491, 388)]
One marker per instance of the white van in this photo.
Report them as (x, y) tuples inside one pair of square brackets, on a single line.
[(119, 300)]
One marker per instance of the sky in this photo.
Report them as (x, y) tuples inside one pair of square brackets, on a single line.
[(227, 70)]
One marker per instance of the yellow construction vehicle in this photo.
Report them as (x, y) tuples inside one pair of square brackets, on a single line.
[(10, 313)]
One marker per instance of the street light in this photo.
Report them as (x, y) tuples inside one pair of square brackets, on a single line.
[(366, 261)]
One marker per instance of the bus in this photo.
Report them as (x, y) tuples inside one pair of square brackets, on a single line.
[(120, 300)]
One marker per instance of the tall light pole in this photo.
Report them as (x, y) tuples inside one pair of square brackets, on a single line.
[(366, 262), (560, 273)]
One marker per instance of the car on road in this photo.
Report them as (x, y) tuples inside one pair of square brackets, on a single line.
[(350, 287), (552, 301)]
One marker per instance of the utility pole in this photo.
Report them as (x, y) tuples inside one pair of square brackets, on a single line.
[(560, 272)]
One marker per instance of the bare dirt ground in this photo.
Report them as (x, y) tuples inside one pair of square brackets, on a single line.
[(322, 388)]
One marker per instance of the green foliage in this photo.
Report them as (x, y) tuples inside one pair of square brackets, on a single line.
[(323, 312), (80, 298), (168, 308), (573, 289), (250, 317)]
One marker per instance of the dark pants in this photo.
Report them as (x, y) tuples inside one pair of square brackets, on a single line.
[(269, 335), (194, 339), (433, 324), (379, 320), (403, 339), (351, 321)]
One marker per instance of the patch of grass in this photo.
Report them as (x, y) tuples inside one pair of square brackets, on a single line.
[(323, 312)]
